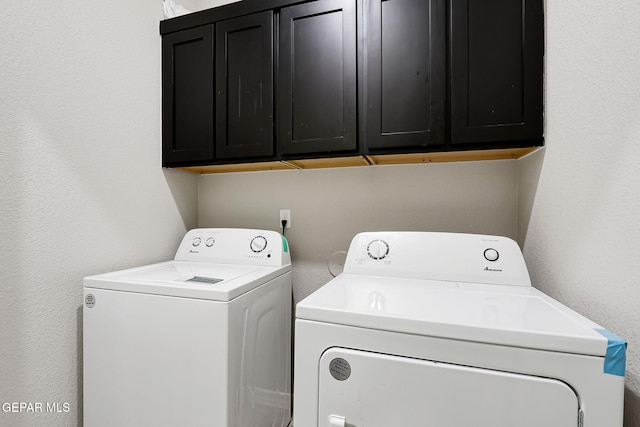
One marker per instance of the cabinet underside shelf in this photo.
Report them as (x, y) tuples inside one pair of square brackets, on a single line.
[(369, 160)]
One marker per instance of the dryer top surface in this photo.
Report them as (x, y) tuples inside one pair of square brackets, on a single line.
[(504, 315)]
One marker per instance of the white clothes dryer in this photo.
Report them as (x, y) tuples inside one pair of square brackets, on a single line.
[(443, 329), (204, 339)]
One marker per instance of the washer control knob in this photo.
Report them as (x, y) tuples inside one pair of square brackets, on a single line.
[(196, 241), (210, 241), (258, 244), (378, 249), (491, 254)]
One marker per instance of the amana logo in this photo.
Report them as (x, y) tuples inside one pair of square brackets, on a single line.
[(492, 269)]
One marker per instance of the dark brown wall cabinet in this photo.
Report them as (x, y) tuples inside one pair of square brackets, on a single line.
[(244, 87), (496, 71), (264, 80), (241, 126), (405, 81), (187, 96), (317, 78)]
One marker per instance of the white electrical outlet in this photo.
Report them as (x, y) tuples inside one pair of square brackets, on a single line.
[(285, 214)]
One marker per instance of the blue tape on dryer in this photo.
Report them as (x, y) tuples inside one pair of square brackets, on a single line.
[(615, 360)]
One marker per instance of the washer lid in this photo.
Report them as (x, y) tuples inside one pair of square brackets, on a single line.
[(218, 282), (504, 315)]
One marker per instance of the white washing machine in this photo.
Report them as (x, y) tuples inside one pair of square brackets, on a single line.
[(439, 329), (203, 340)]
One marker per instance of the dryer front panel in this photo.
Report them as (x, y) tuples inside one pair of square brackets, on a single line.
[(359, 388)]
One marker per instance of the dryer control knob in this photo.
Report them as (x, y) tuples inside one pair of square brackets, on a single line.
[(258, 244), (196, 241), (491, 254), (378, 249)]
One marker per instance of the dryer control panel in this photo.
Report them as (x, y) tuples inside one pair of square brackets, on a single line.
[(456, 257), (234, 246)]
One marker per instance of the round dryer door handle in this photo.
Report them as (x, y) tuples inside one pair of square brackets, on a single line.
[(336, 421)]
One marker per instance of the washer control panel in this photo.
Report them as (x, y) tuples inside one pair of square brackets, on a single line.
[(455, 257), (234, 246)]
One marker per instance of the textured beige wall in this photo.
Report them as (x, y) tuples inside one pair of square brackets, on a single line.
[(81, 187), (580, 199)]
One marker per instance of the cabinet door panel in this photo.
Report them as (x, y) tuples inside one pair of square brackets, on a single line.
[(405, 66), (244, 86), (496, 70), (187, 104), (317, 78)]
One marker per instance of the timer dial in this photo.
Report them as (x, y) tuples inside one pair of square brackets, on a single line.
[(378, 249), (258, 244)]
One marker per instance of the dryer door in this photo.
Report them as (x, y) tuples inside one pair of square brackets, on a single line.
[(359, 388)]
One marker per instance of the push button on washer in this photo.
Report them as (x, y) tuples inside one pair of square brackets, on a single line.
[(491, 254)]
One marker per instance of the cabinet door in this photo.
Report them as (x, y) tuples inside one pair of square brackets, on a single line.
[(496, 70), (187, 96), (244, 86), (317, 78), (405, 65)]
